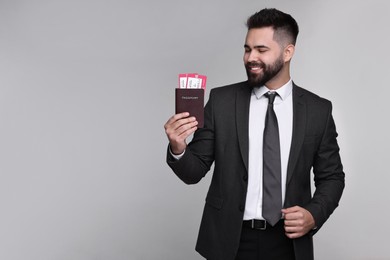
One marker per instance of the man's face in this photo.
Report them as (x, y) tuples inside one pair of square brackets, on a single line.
[(263, 57)]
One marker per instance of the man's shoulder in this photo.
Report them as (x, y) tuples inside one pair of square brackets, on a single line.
[(308, 95)]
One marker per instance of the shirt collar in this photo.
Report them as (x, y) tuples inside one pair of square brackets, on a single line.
[(283, 92)]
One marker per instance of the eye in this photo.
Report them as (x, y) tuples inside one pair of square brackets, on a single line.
[(262, 50)]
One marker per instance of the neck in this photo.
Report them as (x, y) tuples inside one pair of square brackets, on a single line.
[(280, 79)]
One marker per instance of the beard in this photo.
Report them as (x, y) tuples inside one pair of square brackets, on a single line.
[(268, 73)]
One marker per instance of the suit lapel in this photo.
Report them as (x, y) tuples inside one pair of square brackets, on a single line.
[(242, 120), (299, 127)]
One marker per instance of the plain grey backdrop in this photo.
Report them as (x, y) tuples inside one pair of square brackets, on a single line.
[(86, 87)]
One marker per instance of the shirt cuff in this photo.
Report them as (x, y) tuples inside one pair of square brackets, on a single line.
[(176, 156)]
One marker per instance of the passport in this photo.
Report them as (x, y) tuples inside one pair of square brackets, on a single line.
[(192, 101)]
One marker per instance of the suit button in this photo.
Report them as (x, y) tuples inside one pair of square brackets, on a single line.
[(242, 208), (245, 178)]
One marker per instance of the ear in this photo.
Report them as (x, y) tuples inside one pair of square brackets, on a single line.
[(288, 52)]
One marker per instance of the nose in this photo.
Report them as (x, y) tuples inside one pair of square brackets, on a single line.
[(251, 56)]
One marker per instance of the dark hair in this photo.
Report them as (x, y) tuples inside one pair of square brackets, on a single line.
[(284, 25)]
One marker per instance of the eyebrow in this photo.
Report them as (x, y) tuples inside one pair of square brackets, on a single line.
[(257, 46)]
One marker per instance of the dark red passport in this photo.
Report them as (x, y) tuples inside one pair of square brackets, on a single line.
[(192, 101)]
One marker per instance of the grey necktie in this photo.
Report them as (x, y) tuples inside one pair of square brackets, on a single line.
[(272, 194)]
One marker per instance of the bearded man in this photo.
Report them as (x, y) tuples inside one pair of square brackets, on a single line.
[(265, 136)]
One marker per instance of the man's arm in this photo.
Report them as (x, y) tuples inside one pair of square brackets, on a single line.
[(329, 182), (328, 175), (198, 157)]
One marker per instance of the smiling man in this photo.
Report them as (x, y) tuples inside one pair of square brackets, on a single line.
[(265, 135)]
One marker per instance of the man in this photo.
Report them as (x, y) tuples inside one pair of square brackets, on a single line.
[(238, 221)]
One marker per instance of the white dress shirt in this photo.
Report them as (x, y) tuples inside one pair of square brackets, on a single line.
[(284, 114)]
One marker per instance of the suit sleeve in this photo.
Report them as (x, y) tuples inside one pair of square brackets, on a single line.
[(328, 175)]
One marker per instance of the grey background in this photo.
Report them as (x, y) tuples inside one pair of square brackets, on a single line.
[(86, 87)]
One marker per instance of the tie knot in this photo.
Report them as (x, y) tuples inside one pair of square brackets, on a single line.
[(271, 96)]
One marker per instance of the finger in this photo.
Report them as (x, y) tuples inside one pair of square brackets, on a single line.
[(292, 223), (293, 213), (294, 235), (187, 129), (293, 216), (294, 231), (179, 126), (175, 118), (182, 125), (291, 209), (290, 232), (179, 134)]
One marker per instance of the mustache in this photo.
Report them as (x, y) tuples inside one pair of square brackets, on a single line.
[(255, 64)]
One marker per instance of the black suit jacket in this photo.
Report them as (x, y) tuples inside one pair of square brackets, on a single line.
[(224, 141)]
